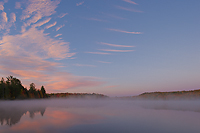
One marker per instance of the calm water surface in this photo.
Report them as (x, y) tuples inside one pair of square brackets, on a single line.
[(99, 116)]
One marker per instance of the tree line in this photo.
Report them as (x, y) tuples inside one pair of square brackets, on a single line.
[(175, 95), (12, 88)]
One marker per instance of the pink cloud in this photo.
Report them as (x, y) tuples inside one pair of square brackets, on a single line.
[(102, 53), (50, 77), (111, 86), (28, 62), (12, 17), (65, 85), (59, 27), (68, 81), (1, 6), (131, 2), (4, 17), (57, 35), (44, 47), (125, 31), (115, 45), (128, 9), (50, 25), (113, 50), (116, 17), (96, 19), (41, 23), (17, 5), (28, 74), (80, 3), (44, 8), (113, 16), (85, 65), (62, 15), (33, 19), (104, 62), (32, 54), (36, 10), (3, 21)]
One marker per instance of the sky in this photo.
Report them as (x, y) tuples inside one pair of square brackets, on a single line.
[(112, 47)]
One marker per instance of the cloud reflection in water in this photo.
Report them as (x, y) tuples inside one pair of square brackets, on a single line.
[(65, 115)]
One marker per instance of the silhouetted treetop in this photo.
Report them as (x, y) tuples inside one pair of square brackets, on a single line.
[(12, 88)]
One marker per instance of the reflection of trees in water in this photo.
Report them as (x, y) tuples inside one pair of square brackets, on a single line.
[(11, 115), (40, 110)]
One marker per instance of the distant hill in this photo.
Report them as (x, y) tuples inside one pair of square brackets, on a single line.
[(76, 95), (174, 95)]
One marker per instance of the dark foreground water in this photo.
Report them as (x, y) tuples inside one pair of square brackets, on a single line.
[(99, 116)]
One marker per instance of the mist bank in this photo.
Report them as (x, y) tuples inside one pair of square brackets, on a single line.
[(11, 112)]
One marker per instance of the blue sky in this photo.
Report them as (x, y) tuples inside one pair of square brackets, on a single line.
[(114, 47)]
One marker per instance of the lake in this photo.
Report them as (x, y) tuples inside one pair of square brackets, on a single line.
[(99, 116)]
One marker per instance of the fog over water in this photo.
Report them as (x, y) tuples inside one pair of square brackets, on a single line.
[(93, 115)]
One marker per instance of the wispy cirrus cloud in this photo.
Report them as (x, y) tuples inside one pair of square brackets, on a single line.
[(57, 35), (117, 30), (63, 81), (80, 3), (24, 55), (104, 62), (59, 27), (84, 65), (128, 9), (50, 25), (41, 23), (42, 7), (96, 19), (26, 67), (114, 50), (44, 46), (32, 54), (131, 2), (115, 45), (36, 10), (19, 57), (32, 20), (101, 53), (115, 16), (62, 15), (27, 74)]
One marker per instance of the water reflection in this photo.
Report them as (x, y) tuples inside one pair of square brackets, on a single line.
[(11, 114), (99, 116)]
